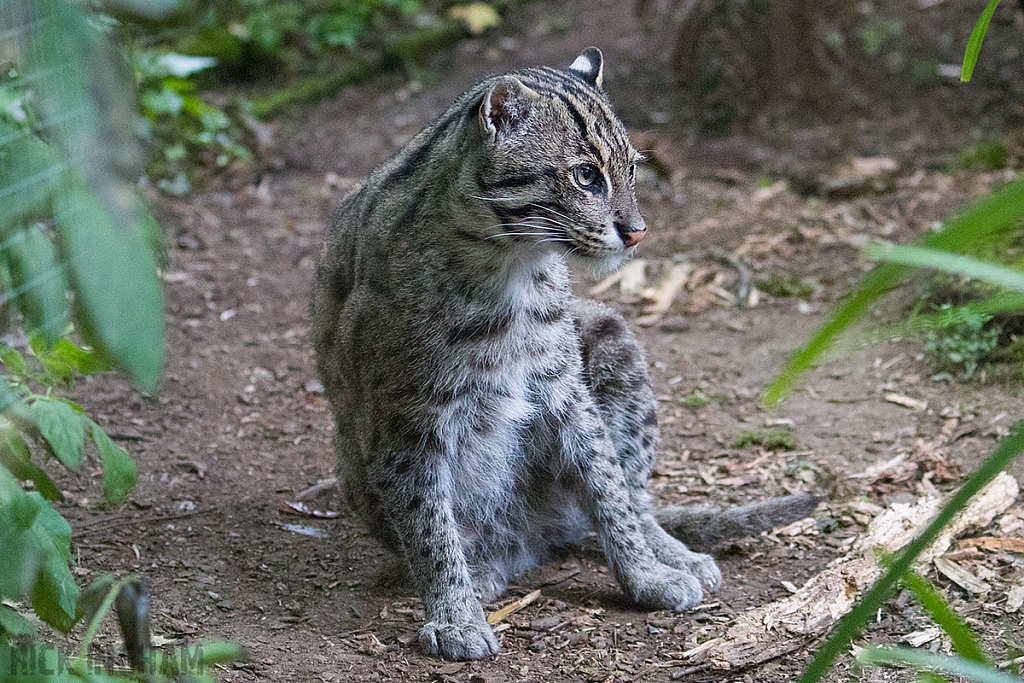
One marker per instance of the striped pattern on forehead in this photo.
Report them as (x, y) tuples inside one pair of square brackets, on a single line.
[(592, 113)]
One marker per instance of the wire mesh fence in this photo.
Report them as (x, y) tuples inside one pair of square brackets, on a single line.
[(74, 236)]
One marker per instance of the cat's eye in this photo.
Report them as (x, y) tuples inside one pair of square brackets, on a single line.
[(586, 175)]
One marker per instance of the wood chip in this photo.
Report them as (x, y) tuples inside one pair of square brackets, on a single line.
[(1016, 661), (1014, 598), (769, 631), (865, 507), (906, 401), (960, 576), (919, 638), (450, 668), (1010, 545), (499, 615)]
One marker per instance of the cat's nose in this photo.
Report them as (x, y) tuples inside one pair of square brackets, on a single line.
[(631, 233)]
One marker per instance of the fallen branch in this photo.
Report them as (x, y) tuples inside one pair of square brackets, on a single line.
[(771, 630)]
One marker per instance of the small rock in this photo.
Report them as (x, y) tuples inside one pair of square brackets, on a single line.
[(546, 623)]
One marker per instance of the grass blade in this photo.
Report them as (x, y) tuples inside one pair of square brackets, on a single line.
[(931, 322), (968, 266), (877, 283), (958, 666), (850, 625), (964, 641), (975, 41)]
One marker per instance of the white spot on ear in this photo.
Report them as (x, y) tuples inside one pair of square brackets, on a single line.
[(590, 65)]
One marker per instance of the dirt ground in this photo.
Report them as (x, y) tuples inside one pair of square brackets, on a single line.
[(241, 424)]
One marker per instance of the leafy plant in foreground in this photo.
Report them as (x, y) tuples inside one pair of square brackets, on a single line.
[(1000, 212), (75, 243), (57, 180)]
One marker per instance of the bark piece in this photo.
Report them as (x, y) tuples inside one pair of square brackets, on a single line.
[(766, 632)]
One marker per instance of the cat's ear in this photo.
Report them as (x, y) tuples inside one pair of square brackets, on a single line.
[(590, 66), (506, 105)]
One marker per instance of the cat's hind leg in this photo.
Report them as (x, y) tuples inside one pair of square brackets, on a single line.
[(615, 372)]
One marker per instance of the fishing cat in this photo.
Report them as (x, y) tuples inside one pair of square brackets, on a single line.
[(484, 415)]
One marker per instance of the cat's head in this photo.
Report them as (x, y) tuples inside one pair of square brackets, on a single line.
[(558, 166)]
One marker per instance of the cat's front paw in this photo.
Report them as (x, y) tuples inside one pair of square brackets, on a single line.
[(665, 587), (705, 569), (470, 640), (674, 553)]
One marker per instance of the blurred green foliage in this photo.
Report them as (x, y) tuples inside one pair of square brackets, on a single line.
[(181, 129), (76, 244), (251, 38), (961, 347)]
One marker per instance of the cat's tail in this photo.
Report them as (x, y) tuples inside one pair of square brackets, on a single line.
[(702, 527)]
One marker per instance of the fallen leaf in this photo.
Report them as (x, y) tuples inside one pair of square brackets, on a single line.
[(477, 16), (300, 508), (630, 278), (1012, 545), (1014, 598), (923, 637), (662, 296)]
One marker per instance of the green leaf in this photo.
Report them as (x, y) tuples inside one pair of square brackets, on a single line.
[(975, 41), (38, 283), (923, 257), (118, 301), (83, 87), (13, 360), (16, 457), (850, 625), (30, 173), (55, 594), (86, 361), (118, 467), (63, 429), (950, 664), (7, 397), (13, 623), (964, 641), (19, 556), (164, 102), (222, 653), (57, 371)]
